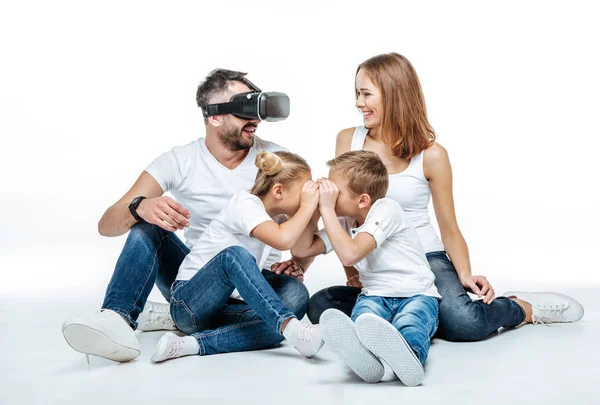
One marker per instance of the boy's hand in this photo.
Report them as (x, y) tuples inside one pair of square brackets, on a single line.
[(328, 193), (354, 281), (289, 267), (310, 195)]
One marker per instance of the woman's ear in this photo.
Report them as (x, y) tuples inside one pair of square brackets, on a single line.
[(364, 200), (277, 191)]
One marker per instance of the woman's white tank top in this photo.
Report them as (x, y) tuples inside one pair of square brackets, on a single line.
[(411, 190)]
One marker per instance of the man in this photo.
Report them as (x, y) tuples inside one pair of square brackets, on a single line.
[(202, 176)]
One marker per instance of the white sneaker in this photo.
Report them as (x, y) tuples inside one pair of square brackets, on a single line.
[(307, 339), (385, 342), (171, 346), (155, 316), (339, 332), (550, 307), (105, 334)]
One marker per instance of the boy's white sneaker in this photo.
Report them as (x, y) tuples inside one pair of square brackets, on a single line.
[(307, 339), (339, 332), (385, 342), (550, 307), (155, 316), (105, 334), (171, 346)]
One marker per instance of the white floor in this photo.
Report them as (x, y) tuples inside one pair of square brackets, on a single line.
[(540, 364)]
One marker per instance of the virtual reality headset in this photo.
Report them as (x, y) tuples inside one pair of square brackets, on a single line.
[(253, 105)]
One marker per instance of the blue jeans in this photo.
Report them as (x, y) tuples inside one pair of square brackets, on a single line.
[(461, 318), (201, 306), (153, 255), (416, 318)]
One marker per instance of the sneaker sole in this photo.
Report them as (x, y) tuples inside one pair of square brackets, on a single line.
[(340, 334), (385, 342), (572, 302), (87, 340)]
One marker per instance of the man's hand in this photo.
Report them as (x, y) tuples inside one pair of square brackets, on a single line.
[(354, 281), (480, 286), (289, 267), (328, 193), (164, 212)]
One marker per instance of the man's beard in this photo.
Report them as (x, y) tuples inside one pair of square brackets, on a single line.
[(232, 137)]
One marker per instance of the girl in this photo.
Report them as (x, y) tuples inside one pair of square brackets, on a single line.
[(224, 267), (389, 97)]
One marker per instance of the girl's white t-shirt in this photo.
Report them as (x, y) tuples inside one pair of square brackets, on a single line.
[(231, 227)]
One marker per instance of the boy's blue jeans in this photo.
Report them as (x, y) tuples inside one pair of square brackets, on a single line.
[(152, 254), (416, 318), (461, 318)]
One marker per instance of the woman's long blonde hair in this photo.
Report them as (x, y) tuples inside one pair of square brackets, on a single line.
[(277, 167), (404, 125)]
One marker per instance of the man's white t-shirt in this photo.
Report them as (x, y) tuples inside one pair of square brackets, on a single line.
[(231, 227), (200, 183), (398, 266)]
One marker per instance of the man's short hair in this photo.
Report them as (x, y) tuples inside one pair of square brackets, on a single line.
[(217, 82), (365, 172)]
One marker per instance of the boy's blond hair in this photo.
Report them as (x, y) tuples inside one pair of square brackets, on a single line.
[(277, 167), (365, 172)]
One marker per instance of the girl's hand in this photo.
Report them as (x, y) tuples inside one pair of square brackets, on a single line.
[(310, 195), (328, 194)]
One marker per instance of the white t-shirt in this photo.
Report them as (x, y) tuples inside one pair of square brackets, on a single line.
[(398, 266), (200, 183), (231, 227)]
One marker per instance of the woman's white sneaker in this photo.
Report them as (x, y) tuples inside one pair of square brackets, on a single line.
[(171, 346), (339, 332), (105, 334), (156, 316), (550, 307), (385, 342)]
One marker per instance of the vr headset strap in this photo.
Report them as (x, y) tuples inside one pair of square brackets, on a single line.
[(223, 108)]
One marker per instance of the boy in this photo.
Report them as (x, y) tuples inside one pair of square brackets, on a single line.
[(396, 313)]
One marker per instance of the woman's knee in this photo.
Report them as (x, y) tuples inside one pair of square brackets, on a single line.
[(465, 324), (295, 296)]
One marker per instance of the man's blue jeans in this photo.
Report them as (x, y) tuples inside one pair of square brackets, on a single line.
[(416, 318), (153, 255), (461, 318), (201, 306)]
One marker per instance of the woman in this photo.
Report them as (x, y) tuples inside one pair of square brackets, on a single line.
[(389, 96)]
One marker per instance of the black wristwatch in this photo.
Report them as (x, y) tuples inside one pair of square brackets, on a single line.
[(135, 203)]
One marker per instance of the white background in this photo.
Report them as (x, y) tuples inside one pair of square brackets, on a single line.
[(91, 92)]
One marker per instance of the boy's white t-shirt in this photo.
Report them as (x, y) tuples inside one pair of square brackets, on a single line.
[(231, 227), (200, 183), (398, 266)]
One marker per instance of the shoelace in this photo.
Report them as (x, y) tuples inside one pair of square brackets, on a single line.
[(306, 333), (175, 349), (160, 316), (548, 313)]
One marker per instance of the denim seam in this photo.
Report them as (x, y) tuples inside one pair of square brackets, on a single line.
[(202, 351), (230, 328), (422, 343), (189, 312), (149, 273), (243, 274)]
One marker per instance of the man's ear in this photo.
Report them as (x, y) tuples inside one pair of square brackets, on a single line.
[(215, 120), (364, 200), (277, 191)]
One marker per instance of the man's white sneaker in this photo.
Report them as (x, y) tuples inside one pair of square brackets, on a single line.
[(156, 316), (105, 334), (171, 346), (385, 342), (550, 307), (307, 339), (339, 332)]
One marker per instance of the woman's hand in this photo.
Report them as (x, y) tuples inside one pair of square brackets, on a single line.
[(354, 281), (480, 286), (328, 194)]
